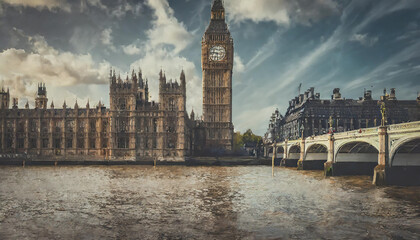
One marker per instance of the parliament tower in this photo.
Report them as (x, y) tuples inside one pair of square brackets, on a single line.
[(217, 65)]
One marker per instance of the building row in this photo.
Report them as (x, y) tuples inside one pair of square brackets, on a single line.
[(309, 115)]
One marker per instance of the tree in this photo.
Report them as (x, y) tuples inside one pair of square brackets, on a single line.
[(248, 138)]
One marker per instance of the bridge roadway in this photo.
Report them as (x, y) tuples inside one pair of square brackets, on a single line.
[(390, 153)]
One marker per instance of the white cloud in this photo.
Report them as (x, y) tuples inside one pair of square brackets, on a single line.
[(166, 39), (106, 36), (172, 65), (282, 12), (239, 66), (131, 49), (107, 40), (123, 8), (21, 70), (41, 4), (364, 39), (167, 30), (251, 119)]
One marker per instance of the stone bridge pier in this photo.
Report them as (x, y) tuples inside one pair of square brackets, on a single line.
[(391, 154)]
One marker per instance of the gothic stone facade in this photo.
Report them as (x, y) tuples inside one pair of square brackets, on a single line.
[(309, 115), (133, 127), (217, 64)]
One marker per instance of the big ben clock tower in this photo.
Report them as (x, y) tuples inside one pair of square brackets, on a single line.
[(217, 65)]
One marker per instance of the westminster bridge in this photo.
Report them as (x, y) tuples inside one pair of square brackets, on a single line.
[(390, 153)]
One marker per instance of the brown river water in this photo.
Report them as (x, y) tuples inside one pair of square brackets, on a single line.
[(178, 202)]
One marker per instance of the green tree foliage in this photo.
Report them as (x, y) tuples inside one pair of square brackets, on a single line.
[(248, 138)]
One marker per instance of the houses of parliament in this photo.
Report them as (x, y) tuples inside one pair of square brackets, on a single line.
[(133, 127)]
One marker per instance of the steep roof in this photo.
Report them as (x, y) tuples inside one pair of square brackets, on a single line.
[(217, 5)]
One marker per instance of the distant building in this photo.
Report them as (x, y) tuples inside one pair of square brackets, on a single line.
[(309, 115)]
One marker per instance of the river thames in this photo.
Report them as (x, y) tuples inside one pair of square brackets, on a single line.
[(177, 202)]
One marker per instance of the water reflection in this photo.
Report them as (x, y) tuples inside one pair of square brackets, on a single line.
[(173, 202)]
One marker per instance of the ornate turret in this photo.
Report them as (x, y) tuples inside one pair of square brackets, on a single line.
[(192, 116), (119, 80), (64, 104), (162, 79), (141, 82), (15, 103), (134, 79), (52, 105), (27, 104), (217, 10), (336, 94), (146, 91), (392, 95), (217, 22), (183, 82), (76, 106), (5, 99), (87, 104), (41, 100)]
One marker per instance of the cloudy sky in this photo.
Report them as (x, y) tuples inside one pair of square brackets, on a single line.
[(71, 44)]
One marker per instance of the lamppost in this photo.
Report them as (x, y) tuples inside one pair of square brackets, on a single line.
[(331, 122), (302, 130), (384, 114)]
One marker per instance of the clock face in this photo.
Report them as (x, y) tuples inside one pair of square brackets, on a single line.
[(217, 53)]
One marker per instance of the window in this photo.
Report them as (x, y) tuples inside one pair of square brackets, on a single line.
[(69, 143), (93, 125), (20, 143), (138, 123), (122, 125), (154, 125), (32, 126), (172, 104), (44, 126), (122, 142), (21, 126), (105, 143), (138, 141), (57, 143), (80, 143), (104, 126), (58, 126), (70, 125), (32, 143), (154, 143), (122, 104), (45, 143), (92, 143), (81, 126)]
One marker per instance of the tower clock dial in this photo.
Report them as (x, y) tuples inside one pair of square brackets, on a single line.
[(217, 53)]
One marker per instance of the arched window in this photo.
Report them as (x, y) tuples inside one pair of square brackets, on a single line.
[(172, 104), (122, 103)]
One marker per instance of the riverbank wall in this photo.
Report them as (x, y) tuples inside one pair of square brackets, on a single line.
[(189, 161)]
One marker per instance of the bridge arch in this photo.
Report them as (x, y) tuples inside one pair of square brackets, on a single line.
[(356, 151), (270, 151), (315, 157), (280, 150), (406, 152), (294, 152), (316, 151)]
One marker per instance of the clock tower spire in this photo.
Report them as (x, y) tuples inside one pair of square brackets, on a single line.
[(217, 65)]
